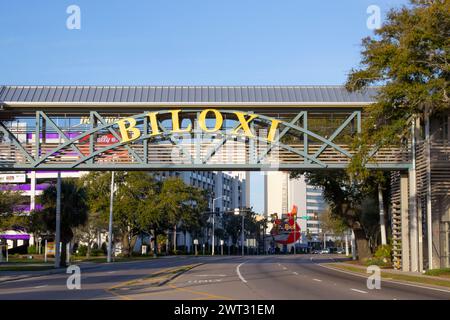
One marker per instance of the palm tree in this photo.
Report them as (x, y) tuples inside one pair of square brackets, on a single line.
[(73, 211)]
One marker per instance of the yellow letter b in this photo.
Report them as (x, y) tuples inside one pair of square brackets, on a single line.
[(125, 131)]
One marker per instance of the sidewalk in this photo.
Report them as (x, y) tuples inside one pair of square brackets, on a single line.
[(395, 275)]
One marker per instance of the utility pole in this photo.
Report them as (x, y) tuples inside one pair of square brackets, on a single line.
[(382, 220), (242, 235), (58, 221), (295, 232), (212, 244), (429, 206), (353, 246), (346, 244), (213, 227), (110, 219)]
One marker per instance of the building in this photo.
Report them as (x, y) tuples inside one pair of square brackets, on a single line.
[(228, 189), (282, 193)]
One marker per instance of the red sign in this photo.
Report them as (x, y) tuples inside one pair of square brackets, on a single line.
[(106, 139), (287, 230)]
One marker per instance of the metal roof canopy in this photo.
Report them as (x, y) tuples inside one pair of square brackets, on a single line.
[(183, 95)]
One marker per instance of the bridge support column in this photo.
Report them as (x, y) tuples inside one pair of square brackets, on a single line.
[(413, 214), (404, 221), (413, 222)]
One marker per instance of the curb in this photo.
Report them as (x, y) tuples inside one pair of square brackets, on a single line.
[(401, 282), (395, 272), (47, 273), (28, 276)]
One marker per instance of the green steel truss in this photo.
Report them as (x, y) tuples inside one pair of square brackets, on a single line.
[(81, 152)]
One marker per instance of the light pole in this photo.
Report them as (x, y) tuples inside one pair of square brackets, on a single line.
[(237, 212), (58, 221), (110, 218), (214, 213), (295, 232)]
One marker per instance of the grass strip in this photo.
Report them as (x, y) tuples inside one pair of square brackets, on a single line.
[(399, 277)]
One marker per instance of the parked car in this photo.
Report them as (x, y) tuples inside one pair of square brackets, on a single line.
[(315, 252), (340, 251), (325, 251)]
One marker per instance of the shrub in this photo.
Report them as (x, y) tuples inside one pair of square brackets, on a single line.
[(82, 251), (32, 249), (97, 252), (382, 257), (384, 252)]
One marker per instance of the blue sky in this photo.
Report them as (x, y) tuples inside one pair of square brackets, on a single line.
[(228, 42)]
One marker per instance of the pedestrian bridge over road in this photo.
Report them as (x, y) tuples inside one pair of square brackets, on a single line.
[(184, 128), (201, 128)]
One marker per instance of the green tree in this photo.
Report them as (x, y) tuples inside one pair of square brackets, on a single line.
[(9, 216), (73, 212), (97, 185), (233, 225), (135, 200), (350, 203), (409, 57), (179, 205)]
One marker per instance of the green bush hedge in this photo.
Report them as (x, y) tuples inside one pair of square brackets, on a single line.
[(382, 257), (32, 249)]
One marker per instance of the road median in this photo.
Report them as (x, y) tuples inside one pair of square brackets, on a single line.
[(156, 279)]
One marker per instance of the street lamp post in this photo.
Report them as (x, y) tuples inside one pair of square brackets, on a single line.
[(237, 212), (58, 221), (213, 227), (110, 218), (295, 232)]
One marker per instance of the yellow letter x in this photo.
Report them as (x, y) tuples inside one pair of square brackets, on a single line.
[(244, 124)]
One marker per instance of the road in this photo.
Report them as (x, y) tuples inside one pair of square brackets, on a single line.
[(243, 278)]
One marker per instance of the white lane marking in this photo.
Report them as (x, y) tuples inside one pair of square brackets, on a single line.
[(239, 273), (284, 268), (356, 290), (205, 281), (296, 273), (210, 275), (111, 271), (43, 286), (383, 280), (318, 280)]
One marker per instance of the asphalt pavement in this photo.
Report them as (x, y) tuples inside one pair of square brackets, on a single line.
[(299, 277)]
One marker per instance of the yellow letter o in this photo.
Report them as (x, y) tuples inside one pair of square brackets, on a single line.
[(202, 120)]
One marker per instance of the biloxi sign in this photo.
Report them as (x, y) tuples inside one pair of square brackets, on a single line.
[(129, 130), (188, 139)]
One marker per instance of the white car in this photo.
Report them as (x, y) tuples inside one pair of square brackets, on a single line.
[(325, 251)]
